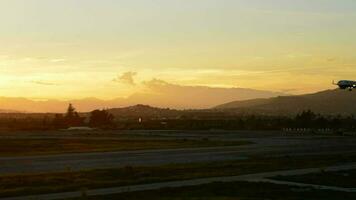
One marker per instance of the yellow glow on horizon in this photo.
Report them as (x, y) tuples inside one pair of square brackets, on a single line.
[(58, 49)]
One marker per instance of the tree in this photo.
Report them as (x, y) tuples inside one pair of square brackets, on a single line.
[(71, 111), (101, 118), (72, 117), (306, 119)]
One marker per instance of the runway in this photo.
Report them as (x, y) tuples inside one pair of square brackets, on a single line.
[(266, 146)]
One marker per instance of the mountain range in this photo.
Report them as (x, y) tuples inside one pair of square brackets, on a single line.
[(161, 94), (329, 102)]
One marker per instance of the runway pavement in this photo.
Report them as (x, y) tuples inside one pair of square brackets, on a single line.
[(270, 146)]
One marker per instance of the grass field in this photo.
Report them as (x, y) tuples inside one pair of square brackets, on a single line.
[(231, 191), (74, 181), (25, 147), (345, 179)]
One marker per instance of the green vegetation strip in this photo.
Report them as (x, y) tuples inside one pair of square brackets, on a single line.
[(18, 185), (346, 179), (26, 147)]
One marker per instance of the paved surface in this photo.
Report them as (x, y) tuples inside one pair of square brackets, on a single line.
[(264, 146), (260, 177)]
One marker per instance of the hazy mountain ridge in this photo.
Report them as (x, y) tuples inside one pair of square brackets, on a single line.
[(324, 102), (144, 111), (9, 111), (162, 95), (329, 102)]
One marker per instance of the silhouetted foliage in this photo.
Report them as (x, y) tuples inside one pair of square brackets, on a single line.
[(72, 117), (59, 121), (189, 121), (71, 111), (306, 119), (101, 118)]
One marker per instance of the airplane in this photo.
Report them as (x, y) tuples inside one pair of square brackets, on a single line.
[(346, 84)]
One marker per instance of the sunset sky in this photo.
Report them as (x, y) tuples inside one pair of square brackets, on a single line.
[(110, 48)]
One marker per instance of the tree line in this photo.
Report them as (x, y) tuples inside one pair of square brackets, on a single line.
[(97, 119), (104, 120), (304, 120)]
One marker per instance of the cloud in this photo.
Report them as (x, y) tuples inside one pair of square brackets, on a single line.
[(43, 83), (331, 59), (156, 83), (57, 60), (126, 78)]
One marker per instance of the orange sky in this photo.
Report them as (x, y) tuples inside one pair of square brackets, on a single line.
[(109, 49)]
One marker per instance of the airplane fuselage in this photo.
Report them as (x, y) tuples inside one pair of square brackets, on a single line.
[(346, 84)]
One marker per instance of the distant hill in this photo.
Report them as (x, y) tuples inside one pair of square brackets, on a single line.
[(144, 111), (53, 106), (149, 112), (329, 102), (160, 94), (164, 94), (9, 111)]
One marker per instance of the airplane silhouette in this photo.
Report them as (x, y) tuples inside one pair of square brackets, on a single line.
[(346, 84)]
